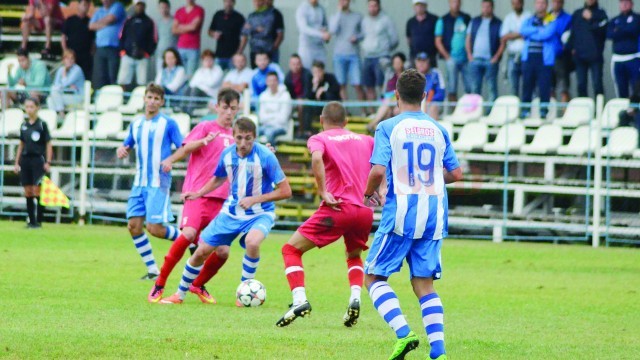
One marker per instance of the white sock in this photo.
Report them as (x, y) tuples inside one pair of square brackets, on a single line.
[(299, 295), (355, 293)]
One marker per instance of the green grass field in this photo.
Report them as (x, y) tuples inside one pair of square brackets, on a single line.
[(73, 292)]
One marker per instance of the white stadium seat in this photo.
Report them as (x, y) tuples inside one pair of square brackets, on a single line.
[(449, 127), (579, 111), (510, 137), (4, 68), (623, 141), (10, 121), (50, 117), (110, 97), (184, 122), (582, 141), (611, 111), (505, 109), (135, 103), (636, 154), (472, 136), (468, 108), (75, 123), (547, 139), (108, 124), (534, 119)]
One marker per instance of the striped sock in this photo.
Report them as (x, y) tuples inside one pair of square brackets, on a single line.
[(386, 302), (143, 246), (433, 320), (249, 267), (171, 233), (188, 275)]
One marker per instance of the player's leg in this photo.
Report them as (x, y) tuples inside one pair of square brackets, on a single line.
[(256, 231), (355, 240), (175, 253), (142, 244), (211, 266), (191, 271), (424, 265), (158, 206), (386, 255)]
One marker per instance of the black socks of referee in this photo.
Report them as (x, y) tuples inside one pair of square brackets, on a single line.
[(31, 210), (40, 210)]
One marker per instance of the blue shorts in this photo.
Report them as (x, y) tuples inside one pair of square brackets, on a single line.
[(153, 203), (372, 74), (224, 229), (388, 251), (347, 66)]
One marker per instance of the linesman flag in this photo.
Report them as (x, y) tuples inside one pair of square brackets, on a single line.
[(51, 195)]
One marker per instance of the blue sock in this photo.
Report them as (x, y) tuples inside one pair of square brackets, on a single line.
[(433, 320), (386, 302), (171, 233), (249, 267), (188, 275), (143, 246)]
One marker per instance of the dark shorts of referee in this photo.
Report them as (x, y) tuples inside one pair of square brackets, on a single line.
[(31, 170)]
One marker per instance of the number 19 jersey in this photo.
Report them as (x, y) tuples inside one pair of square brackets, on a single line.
[(415, 149)]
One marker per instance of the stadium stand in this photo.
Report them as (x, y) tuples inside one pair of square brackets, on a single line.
[(135, 102), (579, 111), (109, 97), (611, 111), (468, 108), (74, 125), (472, 136), (547, 139), (583, 141), (511, 137), (622, 142), (50, 117), (505, 109), (108, 124), (11, 122)]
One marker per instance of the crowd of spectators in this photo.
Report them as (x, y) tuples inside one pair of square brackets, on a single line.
[(541, 48)]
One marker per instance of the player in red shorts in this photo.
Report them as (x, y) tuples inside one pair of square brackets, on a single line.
[(205, 143), (340, 164)]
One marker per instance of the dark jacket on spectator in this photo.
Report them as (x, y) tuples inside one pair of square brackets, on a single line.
[(494, 32), (588, 37), (332, 91), (624, 30), (138, 38), (306, 84)]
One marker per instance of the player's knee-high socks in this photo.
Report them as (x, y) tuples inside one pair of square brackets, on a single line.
[(249, 267), (176, 251), (31, 211), (386, 302), (143, 246), (433, 320), (210, 268), (188, 274), (171, 233), (295, 272), (356, 277)]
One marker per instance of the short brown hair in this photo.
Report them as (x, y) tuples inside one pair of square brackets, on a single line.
[(207, 53), (334, 113), (244, 124), (69, 52), (154, 88), (227, 95), (410, 86)]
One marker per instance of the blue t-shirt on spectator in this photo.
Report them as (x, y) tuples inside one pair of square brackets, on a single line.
[(109, 36)]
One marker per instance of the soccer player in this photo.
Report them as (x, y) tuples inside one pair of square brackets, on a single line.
[(341, 174), (152, 135), (416, 156), (204, 143), (252, 170)]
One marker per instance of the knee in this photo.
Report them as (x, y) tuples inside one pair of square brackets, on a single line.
[(253, 242), (189, 234), (134, 228), (156, 230), (222, 252)]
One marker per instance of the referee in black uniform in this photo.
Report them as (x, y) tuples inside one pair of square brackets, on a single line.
[(33, 159)]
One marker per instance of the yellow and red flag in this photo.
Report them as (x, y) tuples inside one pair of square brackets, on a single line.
[(51, 195)]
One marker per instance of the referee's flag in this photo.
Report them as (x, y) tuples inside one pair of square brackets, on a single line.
[(51, 195)]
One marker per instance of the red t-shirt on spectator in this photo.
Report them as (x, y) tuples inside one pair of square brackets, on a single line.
[(54, 5), (190, 40)]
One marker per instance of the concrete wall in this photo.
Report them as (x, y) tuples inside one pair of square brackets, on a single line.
[(400, 11)]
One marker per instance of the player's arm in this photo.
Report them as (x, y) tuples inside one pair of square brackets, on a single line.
[(185, 150), (49, 156), (317, 166), (453, 175), (16, 166), (281, 192), (211, 185), (375, 179)]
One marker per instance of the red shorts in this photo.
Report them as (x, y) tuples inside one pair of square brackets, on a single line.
[(326, 226), (198, 213)]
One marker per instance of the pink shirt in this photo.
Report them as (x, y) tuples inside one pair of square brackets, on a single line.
[(346, 161), (203, 162), (190, 40)]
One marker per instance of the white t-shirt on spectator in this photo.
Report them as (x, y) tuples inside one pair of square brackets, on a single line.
[(512, 23)]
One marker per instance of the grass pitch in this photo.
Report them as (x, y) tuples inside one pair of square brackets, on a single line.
[(73, 292)]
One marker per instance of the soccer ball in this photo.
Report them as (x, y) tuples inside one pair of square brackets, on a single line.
[(251, 293)]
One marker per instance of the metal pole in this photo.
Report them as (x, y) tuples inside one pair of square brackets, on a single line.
[(84, 157), (597, 174)]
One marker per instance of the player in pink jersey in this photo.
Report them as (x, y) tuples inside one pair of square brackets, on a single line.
[(340, 164), (205, 143)]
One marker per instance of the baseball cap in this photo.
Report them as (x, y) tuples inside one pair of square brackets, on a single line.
[(422, 56), (419, 2)]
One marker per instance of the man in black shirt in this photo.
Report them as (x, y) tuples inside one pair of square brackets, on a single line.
[(33, 159), (77, 37), (225, 28)]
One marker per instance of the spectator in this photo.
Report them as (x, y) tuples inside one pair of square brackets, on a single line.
[(262, 29), (30, 74), (631, 116), (451, 32), (346, 27), (239, 78), (166, 38), (138, 41), (385, 110), (275, 109), (324, 87), (538, 56), (107, 22), (187, 25), (484, 50), (510, 34), (312, 27), (225, 28), (588, 34), (277, 31), (561, 75), (68, 84), (76, 36), (624, 31), (173, 77), (51, 18), (420, 31), (434, 87), (298, 80), (263, 67), (206, 81), (380, 38)]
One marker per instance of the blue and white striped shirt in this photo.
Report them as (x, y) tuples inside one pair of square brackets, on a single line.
[(415, 149), (252, 175), (152, 140)]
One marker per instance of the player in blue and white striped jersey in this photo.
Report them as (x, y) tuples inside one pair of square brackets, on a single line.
[(415, 154), (252, 170), (151, 136)]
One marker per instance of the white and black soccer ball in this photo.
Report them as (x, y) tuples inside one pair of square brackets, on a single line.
[(251, 293)]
